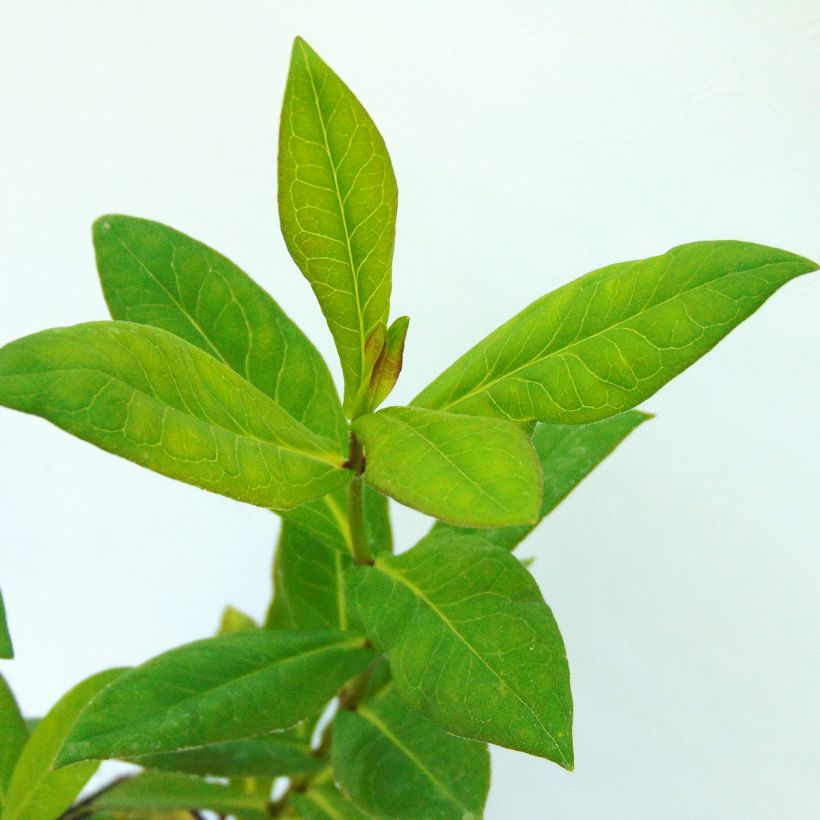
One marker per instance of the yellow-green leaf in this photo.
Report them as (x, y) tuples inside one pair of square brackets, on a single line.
[(463, 469), (607, 341), (337, 205), (153, 398)]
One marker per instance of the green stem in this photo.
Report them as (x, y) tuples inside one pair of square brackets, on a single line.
[(355, 503)]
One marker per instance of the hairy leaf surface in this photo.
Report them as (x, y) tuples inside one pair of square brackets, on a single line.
[(393, 762), (13, 736), (157, 791), (568, 453), (219, 689), (39, 790), (462, 469), (151, 397), (337, 205), (607, 341), (154, 275), (6, 647), (471, 642)]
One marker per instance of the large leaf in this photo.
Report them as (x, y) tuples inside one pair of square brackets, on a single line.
[(568, 453), (149, 396), (157, 791), (6, 648), (266, 756), (609, 340), (13, 736), (39, 790), (392, 762), (218, 689), (154, 275), (337, 205), (311, 563), (462, 469), (471, 642)]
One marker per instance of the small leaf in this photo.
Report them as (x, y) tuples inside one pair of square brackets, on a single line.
[(462, 469), (38, 790), (13, 736), (6, 647), (337, 206), (233, 620), (323, 801), (607, 341), (393, 762), (154, 275), (153, 791), (147, 395), (568, 453), (471, 642), (265, 756), (218, 689), (311, 563), (388, 367)]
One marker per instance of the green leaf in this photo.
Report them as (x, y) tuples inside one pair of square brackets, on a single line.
[(462, 469), (392, 762), (265, 756), (337, 205), (214, 690), (568, 454), (471, 642), (233, 620), (6, 647), (323, 801), (154, 275), (154, 791), (13, 736), (313, 556), (147, 395), (38, 789), (607, 341)]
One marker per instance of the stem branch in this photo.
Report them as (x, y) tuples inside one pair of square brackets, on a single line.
[(355, 503)]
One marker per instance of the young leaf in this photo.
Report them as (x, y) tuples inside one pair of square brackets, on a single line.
[(156, 791), (272, 755), (609, 340), (393, 762), (149, 396), (388, 367), (337, 205), (6, 647), (323, 801), (13, 736), (154, 275), (234, 620), (568, 454), (38, 790), (214, 690), (471, 642), (466, 470), (309, 568)]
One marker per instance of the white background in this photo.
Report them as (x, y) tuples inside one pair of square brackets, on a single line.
[(532, 142)]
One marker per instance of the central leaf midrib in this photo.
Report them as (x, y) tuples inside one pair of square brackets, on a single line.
[(486, 385), (381, 726), (354, 277), (402, 579)]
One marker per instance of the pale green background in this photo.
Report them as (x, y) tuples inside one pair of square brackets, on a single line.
[(532, 142)]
